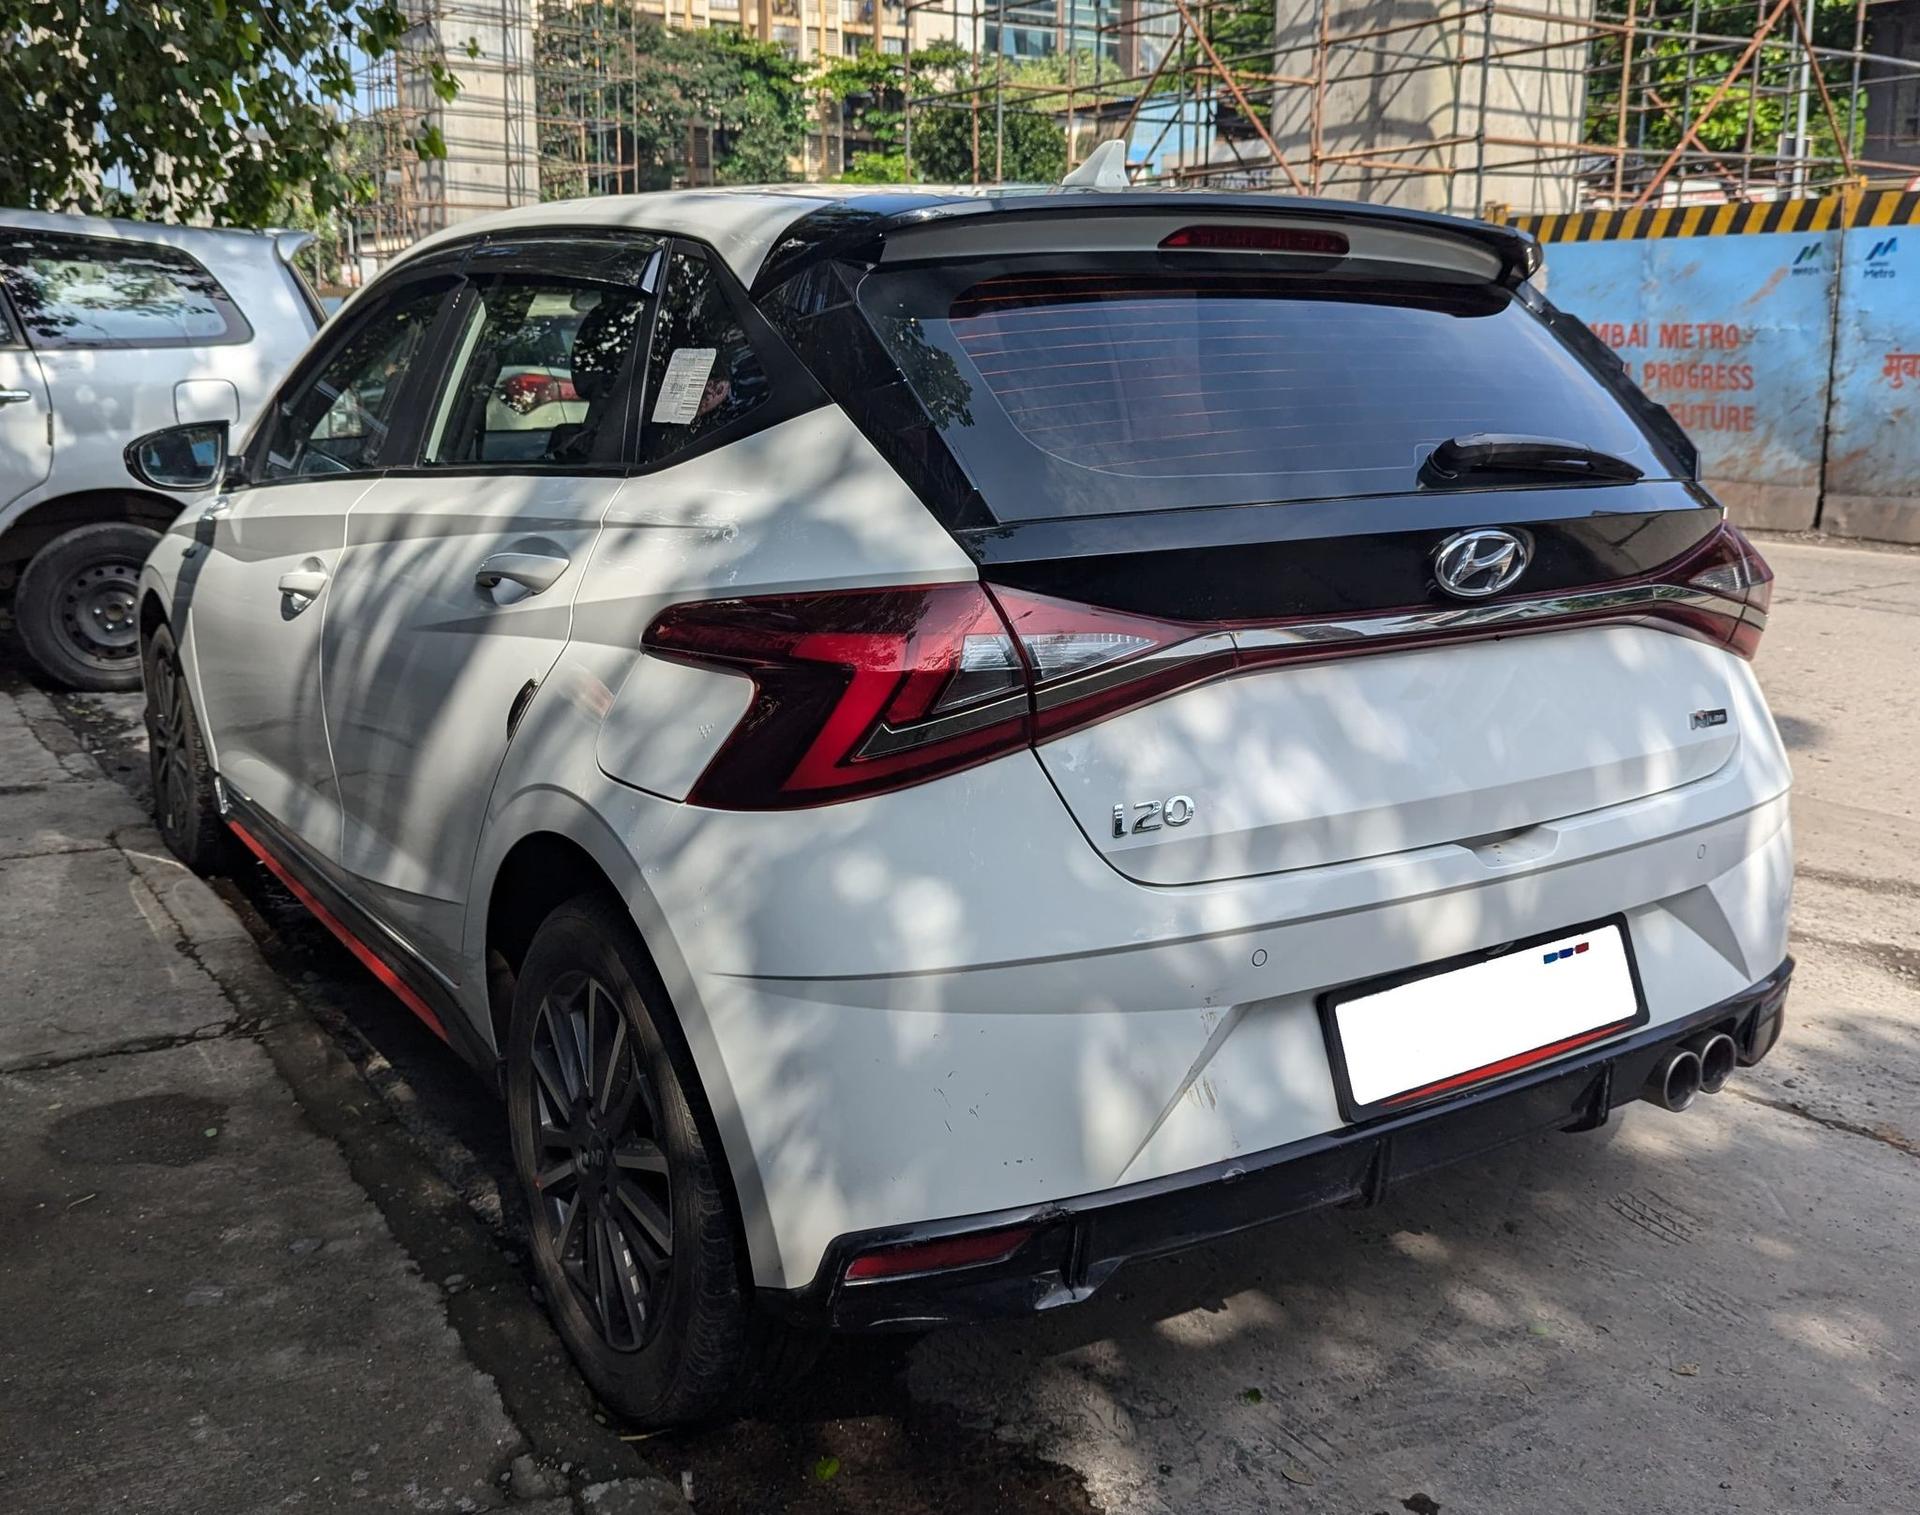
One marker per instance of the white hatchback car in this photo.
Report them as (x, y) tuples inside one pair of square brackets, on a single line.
[(1017, 731), (107, 330)]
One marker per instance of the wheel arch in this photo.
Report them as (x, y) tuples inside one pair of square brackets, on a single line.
[(26, 533), (570, 850)]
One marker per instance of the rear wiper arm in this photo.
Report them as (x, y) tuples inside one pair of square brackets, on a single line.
[(1500, 452)]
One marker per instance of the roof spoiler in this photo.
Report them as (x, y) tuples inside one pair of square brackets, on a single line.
[(858, 229)]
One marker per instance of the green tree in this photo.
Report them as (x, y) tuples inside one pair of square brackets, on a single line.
[(1665, 85), (873, 90), (620, 95), (177, 109)]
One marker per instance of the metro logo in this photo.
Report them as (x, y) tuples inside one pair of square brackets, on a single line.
[(1808, 254), (1884, 249)]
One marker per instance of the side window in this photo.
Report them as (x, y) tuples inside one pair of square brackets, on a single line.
[(702, 372), (100, 292), (336, 418), (536, 375)]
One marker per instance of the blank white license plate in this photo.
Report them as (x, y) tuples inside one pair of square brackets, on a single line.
[(1433, 1035)]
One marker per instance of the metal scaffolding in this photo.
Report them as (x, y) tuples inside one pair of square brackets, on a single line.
[(1486, 105), (1470, 106)]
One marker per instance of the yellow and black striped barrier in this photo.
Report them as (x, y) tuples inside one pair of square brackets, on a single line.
[(1840, 212)]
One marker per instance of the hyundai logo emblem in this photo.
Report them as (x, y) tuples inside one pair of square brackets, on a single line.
[(1471, 565)]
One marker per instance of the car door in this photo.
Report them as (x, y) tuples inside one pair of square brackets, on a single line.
[(256, 587), (26, 422), (453, 596)]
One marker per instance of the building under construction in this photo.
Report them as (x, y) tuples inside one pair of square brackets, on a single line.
[(1476, 107)]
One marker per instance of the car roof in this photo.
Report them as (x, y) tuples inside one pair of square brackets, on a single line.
[(209, 240), (749, 226)]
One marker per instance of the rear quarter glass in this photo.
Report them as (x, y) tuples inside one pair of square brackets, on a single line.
[(1144, 382)]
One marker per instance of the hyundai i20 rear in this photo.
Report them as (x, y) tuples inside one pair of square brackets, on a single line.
[(997, 735)]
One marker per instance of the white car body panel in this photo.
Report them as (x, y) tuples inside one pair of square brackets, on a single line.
[(422, 668), (1300, 767)]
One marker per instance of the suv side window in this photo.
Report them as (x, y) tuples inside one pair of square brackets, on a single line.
[(336, 418), (101, 292), (703, 372), (538, 375)]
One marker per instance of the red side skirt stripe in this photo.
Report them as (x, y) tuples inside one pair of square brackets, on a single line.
[(368, 958)]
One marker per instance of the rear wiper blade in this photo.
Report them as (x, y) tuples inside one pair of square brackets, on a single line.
[(1499, 452)]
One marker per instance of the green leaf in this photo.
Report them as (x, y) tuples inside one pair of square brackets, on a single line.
[(827, 1468), (1252, 1396)]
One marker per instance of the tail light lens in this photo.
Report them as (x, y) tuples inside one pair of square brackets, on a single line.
[(526, 392), (854, 692), (1733, 568), (860, 691)]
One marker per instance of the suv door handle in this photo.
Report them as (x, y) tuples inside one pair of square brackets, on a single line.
[(15, 396), (304, 584), (532, 571)]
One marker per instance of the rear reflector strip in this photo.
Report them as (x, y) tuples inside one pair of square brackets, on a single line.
[(936, 1256)]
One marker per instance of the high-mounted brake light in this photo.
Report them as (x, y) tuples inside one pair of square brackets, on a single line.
[(860, 691), (1293, 239)]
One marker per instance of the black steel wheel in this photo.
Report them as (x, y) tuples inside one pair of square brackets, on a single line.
[(634, 1230), (185, 806), (78, 605)]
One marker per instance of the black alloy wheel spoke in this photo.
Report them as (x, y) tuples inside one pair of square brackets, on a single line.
[(601, 1175)]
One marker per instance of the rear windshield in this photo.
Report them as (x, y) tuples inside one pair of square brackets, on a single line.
[(1103, 388)]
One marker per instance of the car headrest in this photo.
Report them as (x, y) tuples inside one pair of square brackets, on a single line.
[(600, 346)]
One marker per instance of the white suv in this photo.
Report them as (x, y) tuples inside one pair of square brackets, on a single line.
[(1015, 731), (107, 330)]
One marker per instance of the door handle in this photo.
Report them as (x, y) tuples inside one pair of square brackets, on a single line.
[(304, 584), (15, 396), (532, 571)]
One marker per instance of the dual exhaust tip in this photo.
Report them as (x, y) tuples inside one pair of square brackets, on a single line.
[(1701, 1065)]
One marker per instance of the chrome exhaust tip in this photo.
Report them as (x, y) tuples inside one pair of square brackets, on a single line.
[(1675, 1079), (1719, 1055)]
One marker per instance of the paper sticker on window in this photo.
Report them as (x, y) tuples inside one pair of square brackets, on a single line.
[(683, 385)]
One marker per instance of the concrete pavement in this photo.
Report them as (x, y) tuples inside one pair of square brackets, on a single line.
[(203, 1312)]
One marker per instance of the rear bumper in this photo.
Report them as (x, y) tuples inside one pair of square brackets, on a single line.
[(1078, 1244)]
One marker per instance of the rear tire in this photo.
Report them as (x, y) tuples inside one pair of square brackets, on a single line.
[(77, 607), (633, 1225), (185, 806)]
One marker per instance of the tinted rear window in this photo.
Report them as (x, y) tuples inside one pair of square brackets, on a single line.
[(1090, 390)]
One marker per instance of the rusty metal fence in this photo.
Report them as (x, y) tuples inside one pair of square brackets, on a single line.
[(1784, 336)]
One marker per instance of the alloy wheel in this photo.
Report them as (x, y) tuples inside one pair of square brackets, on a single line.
[(603, 1194), (167, 742)]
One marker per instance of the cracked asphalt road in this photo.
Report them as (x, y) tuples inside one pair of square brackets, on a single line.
[(1707, 1311)]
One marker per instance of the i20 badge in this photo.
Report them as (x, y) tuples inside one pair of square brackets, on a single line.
[(1151, 815), (1470, 565)]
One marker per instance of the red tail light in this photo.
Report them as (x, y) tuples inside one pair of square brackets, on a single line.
[(861, 691), (1733, 568), (529, 391)]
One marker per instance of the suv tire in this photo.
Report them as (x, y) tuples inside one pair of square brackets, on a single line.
[(77, 608), (184, 804), (617, 1162)]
